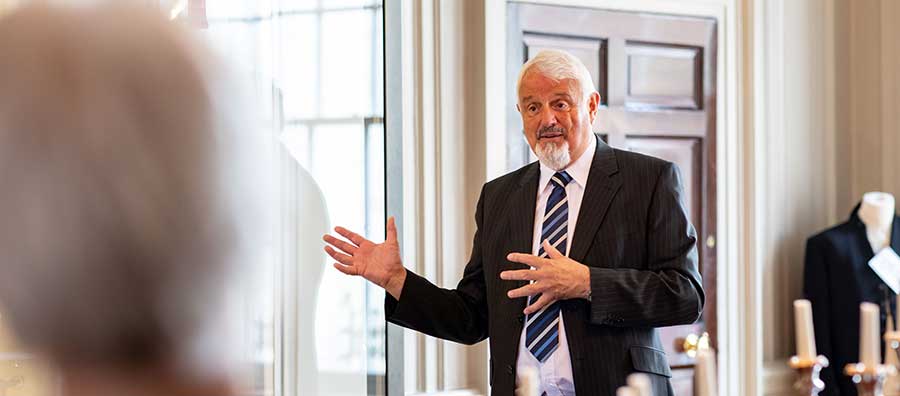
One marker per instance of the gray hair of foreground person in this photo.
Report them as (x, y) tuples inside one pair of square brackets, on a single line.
[(117, 233)]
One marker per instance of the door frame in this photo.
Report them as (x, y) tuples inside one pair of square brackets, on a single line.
[(393, 175), (740, 366)]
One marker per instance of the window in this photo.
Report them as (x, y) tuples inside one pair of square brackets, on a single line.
[(315, 69)]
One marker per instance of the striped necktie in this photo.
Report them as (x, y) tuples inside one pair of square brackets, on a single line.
[(542, 327)]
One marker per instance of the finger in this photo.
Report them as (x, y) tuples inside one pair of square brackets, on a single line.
[(340, 257), (352, 236), (527, 259), (525, 291), (519, 275), (391, 230), (343, 245), (542, 302), (552, 252), (346, 269)]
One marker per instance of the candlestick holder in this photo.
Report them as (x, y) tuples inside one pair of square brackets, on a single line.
[(808, 382), (869, 380)]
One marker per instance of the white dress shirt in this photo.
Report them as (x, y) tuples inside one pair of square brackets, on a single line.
[(556, 372)]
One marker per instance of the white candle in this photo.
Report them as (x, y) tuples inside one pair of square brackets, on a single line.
[(897, 318), (640, 383), (627, 391), (530, 382), (803, 324), (869, 335), (705, 373)]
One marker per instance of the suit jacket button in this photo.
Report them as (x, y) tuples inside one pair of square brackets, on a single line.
[(509, 369), (521, 318)]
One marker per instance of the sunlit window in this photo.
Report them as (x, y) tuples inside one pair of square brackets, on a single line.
[(315, 69)]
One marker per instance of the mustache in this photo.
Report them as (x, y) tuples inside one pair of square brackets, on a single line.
[(551, 130)]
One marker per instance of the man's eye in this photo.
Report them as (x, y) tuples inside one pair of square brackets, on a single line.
[(532, 109), (562, 105)]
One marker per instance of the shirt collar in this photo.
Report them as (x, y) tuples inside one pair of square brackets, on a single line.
[(579, 169)]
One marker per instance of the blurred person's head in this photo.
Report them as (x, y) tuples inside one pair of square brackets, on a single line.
[(558, 104), (115, 237)]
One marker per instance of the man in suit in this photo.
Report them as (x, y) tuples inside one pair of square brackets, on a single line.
[(577, 258)]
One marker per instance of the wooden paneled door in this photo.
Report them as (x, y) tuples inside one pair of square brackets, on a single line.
[(656, 78)]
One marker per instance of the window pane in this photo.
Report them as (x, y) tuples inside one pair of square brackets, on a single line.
[(220, 9), (299, 5), (347, 64), (299, 67), (315, 68), (351, 3)]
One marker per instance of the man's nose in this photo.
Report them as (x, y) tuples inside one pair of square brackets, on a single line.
[(548, 117)]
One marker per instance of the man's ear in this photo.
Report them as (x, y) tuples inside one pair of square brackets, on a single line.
[(593, 105)]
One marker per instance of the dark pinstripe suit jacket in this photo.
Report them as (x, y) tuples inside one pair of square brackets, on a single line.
[(633, 232)]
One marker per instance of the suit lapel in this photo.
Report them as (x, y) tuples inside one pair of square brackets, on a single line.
[(602, 186), (520, 215)]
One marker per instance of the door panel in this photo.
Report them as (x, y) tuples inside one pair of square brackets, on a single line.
[(591, 52), (656, 77), (664, 77)]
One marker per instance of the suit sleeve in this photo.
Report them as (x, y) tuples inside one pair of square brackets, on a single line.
[(669, 292), (815, 289), (459, 315)]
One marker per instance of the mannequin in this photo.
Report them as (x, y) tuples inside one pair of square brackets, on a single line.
[(837, 277), (877, 213)]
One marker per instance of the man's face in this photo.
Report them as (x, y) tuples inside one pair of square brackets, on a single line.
[(557, 118)]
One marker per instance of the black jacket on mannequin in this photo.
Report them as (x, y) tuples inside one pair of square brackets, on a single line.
[(836, 279)]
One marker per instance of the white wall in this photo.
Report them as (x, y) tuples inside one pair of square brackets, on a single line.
[(868, 127), (793, 174), (444, 154), (828, 101)]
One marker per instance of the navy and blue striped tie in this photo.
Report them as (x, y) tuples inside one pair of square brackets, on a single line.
[(542, 327)]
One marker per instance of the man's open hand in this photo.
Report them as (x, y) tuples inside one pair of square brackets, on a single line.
[(378, 263)]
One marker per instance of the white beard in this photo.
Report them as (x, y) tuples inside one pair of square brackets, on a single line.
[(554, 156)]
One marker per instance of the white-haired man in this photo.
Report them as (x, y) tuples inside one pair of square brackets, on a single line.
[(576, 260)]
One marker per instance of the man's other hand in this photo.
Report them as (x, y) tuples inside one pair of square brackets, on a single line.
[(554, 278)]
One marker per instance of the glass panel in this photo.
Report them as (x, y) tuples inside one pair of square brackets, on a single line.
[(346, 48), (246, 50), (352, 3), (220, 9), (315, 70), (299, 68)]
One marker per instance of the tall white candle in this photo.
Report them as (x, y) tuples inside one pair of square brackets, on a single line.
[(803, 324), (897, 316), (640, 383), (705, 373), (627, 391), (869, 335)]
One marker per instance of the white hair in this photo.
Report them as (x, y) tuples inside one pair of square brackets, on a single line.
[(118, 229), (559, 65)]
